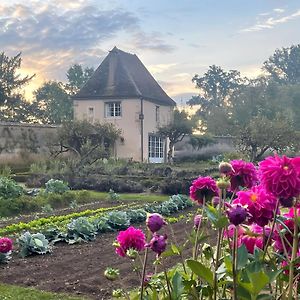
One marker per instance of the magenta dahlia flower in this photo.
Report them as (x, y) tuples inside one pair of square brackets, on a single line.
[(155, 222), (203, 188), (260, 204), (158, 243), (229, 231), (243, 175), (6, 245), (281, 176), (254, 237), (131, 238)]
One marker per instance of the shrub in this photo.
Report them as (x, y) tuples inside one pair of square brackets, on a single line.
[(175, 186), (9, 189), (23, 204), (56, 186), (33, 244)]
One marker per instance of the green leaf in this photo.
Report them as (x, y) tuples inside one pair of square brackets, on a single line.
[(177, 286), (38, 242), (242, 257), (175, 249), (202, 271), (264, 297), (219, 221), (228, 263), (258, 280)]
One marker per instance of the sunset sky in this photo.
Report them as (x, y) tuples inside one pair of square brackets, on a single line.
[(174, 39)]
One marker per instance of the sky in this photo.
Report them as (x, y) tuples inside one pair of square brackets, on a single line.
[(174, 39)]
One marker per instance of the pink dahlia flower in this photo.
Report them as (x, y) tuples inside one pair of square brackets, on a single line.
[(203, 188), (281, 176), (254, 237), (260, 204), (288, 237), (243, 175), (155, 222), (131, 238), (6, 245), (229, 231), (158, 243)]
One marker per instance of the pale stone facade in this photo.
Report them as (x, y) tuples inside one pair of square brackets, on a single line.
[(135, 130), (123, 92)]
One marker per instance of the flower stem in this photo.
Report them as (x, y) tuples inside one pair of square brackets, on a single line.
[(144, 273), (234, 262), (294, 253), (222, 196), (272, 230)]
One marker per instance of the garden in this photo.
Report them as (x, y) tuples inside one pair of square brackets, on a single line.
[(231, 233)]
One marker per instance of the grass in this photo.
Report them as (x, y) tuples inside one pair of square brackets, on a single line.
[(12, 292), (129, 196)]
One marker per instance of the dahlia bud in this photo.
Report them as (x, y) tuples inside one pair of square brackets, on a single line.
[(223, 183), (131, 253), (118, 293), (147, 279), (111, 274), (286, 202), (237, 214), (215, 201), (158, 243), (197, 221), (155, 222), (225, 168)]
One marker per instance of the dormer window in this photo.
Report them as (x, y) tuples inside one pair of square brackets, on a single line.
[(112, 109)]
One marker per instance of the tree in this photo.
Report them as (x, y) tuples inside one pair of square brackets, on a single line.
[(52, 104), (284, 65), (216, 86), (262, 134), (77, 77), (180, 126), (13, 107), (89, 142)]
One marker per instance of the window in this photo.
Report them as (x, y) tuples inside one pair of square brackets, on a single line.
[(91, 114), (157, 114), (112, 109), (156, 146)]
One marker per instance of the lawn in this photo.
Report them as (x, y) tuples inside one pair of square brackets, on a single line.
[(12, 292)]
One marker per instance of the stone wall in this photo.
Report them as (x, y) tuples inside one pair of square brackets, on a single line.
[(17, 138), (223, 144)]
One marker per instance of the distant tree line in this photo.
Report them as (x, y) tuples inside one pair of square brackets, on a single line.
[(51, 103), (263, 113)]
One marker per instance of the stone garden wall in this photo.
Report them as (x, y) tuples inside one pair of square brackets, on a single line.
[(17, 140)]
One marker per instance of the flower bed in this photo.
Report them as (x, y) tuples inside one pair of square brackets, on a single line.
[(255, 215)]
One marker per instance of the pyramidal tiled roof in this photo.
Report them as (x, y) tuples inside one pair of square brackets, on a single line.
[(123, 75)]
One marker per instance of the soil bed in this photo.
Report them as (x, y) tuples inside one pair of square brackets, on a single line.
[(78, 269)]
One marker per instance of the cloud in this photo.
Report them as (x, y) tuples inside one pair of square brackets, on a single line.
[(271, 22), (47, 27), (160, 68), (151, 41)]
